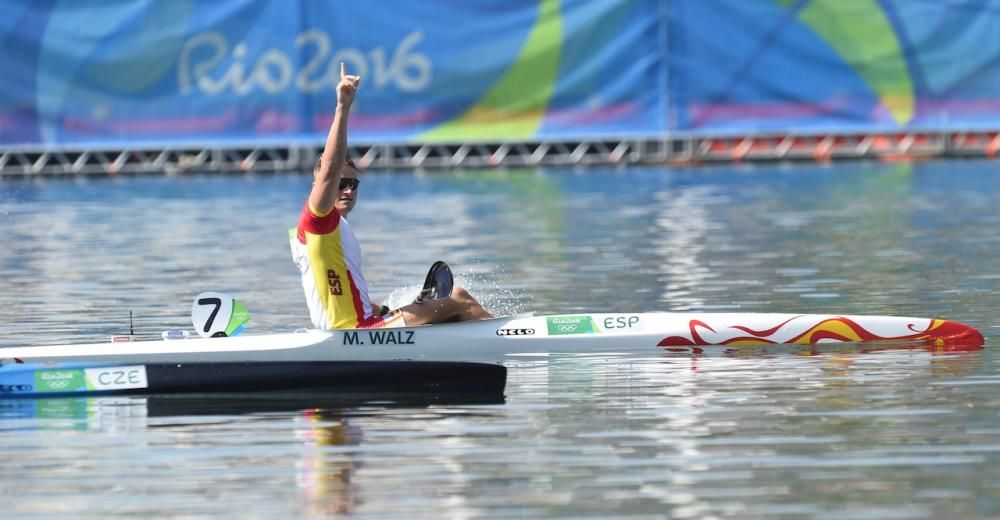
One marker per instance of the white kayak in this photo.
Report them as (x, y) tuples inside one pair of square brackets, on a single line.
[(457, 357), (502, 339)]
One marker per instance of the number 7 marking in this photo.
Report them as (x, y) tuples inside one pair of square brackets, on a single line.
[(211, 317)]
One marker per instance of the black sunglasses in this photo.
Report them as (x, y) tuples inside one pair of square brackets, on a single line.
[(346, 182)]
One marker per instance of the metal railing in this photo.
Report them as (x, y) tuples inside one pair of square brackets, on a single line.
[(690, 149)]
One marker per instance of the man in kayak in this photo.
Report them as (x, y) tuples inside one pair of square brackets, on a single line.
[(328, 254)]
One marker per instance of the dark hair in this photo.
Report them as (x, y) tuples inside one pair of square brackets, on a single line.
[(319, 159)]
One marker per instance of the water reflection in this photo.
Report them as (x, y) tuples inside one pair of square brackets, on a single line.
[(867, 239), (686, 234), (103, 413), (325, 481), (317, 438), (680, 435), (749, 433)]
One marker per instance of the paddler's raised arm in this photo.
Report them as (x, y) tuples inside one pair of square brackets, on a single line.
[(327, 176)]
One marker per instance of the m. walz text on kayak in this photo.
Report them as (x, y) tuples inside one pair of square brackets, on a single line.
[(379, 337)]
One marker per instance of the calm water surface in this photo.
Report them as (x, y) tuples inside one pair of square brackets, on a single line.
[(894, 434)]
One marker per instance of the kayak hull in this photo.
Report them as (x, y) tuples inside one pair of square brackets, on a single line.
[(451, 358), (523, 337), (324, 377)]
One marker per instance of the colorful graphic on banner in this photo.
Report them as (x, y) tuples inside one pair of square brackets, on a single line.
[(826, 66), (515, 106), (203, 72), (862, 35)]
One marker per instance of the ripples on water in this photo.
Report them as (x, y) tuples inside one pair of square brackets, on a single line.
[(894, 434)]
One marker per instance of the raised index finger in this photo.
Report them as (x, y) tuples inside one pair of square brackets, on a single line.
[(342, 72)]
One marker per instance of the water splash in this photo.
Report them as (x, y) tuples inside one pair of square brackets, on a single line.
[(401, 296), (486, 286), (492, 292)]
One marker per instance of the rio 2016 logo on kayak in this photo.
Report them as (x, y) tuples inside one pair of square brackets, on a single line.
[(59, 380), (564, 325)]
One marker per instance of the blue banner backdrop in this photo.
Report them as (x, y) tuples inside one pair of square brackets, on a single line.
[(110, 72)]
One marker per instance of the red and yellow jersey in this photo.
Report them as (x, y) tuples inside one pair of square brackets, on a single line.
[(329, 258)]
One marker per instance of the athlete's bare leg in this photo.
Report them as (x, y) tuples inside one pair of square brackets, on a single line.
[(460, 306)]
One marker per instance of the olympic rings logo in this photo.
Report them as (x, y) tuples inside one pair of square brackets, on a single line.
[(568, 328), (58, 384)]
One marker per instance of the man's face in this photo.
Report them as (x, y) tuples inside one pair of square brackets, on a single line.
[(347, 195)]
